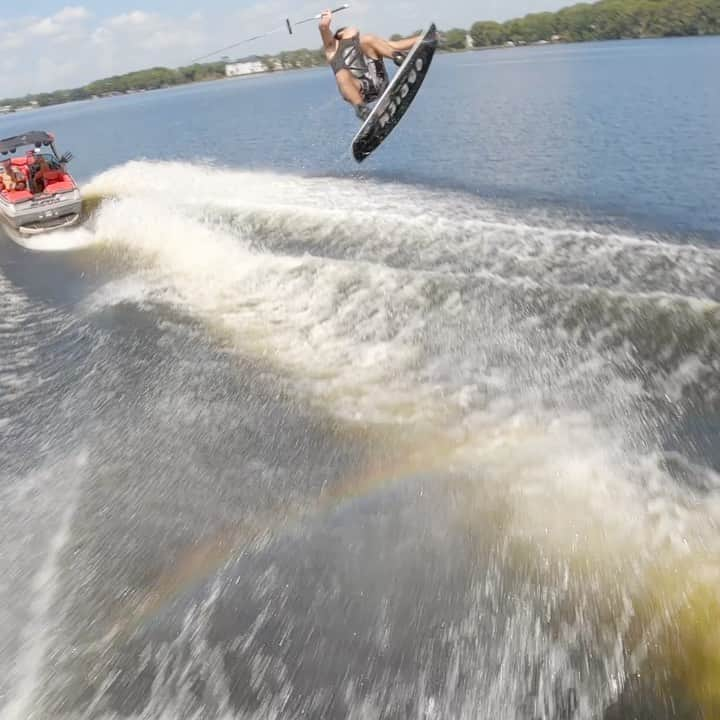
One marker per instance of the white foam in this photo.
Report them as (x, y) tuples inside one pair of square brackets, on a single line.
[(59, 241), (30, 503), (438, 230), (21, 323), (352, 325), (440, 339)]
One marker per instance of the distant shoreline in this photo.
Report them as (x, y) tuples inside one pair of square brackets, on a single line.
[(35, 105), (204, 81)]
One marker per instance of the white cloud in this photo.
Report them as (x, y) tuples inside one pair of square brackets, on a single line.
[(159, 35), (8, 63), (131, 19), (73, 12), (58, 23), (11, 41), (130, 41), (45, 27)]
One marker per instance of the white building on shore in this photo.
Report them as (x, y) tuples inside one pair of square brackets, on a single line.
[(244, 68)]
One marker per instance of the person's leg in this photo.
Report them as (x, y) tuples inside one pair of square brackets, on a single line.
[(405, 44), (377, 47), (350, 87)]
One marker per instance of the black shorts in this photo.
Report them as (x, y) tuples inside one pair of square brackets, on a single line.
[(373, 85)]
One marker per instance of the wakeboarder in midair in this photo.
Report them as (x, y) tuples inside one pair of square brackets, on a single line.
[(357, 61)]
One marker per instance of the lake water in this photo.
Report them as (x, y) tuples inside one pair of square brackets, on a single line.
[(434, 436)]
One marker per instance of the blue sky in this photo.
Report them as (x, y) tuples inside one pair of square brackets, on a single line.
[(76, 42)]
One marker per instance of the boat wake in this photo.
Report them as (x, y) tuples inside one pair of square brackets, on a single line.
[(532, 389), (392, 298)]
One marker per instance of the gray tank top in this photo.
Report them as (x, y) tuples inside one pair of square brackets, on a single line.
[(349, 56)]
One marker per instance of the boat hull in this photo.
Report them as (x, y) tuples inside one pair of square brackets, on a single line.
[(42, 213)]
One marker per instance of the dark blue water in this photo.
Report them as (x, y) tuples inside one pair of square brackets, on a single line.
[(626, 131)]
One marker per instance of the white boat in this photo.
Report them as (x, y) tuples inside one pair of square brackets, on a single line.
[(37, 194)]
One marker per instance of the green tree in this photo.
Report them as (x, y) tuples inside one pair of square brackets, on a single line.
[(487, 34), (454, 39), (538, 26), (576, 23), (514, 30), (268, 62)]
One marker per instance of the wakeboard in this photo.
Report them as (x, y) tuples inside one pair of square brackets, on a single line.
[(398, 96)]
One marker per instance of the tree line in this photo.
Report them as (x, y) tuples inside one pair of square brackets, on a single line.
[(150, 79), (604, 20), (162, 77)]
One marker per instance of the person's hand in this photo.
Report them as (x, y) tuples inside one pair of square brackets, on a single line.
[(325, 18)]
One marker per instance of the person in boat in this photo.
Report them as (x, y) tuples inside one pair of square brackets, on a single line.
[(38, 168), (358, 62), (12, 178)]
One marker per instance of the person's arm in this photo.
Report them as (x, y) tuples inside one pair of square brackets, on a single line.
[(325, 31)]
